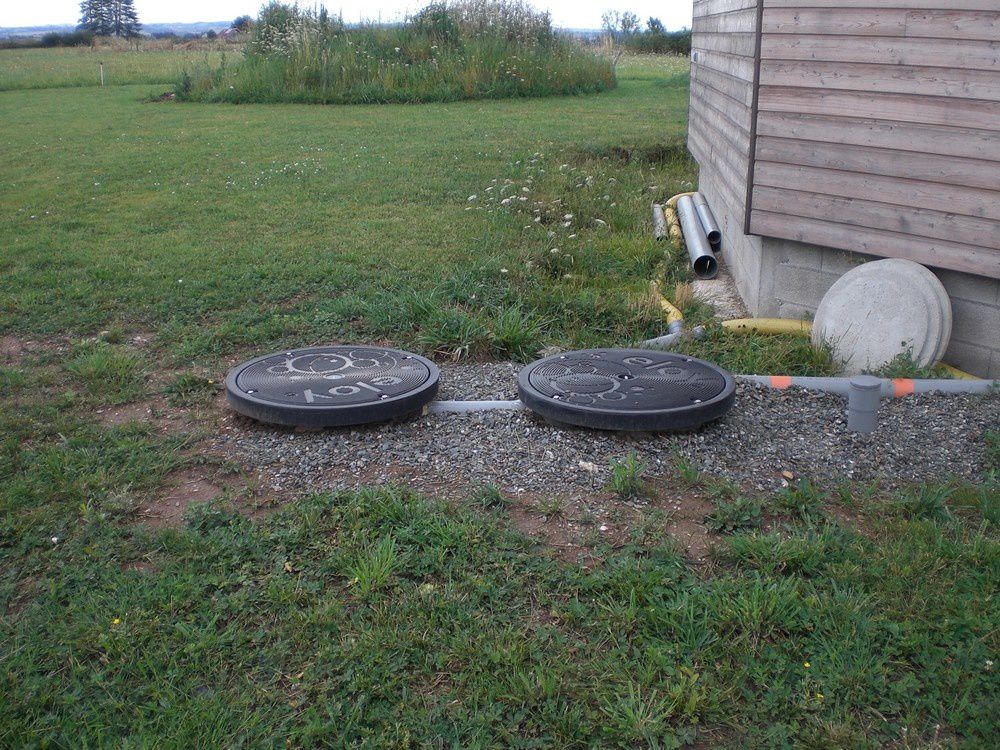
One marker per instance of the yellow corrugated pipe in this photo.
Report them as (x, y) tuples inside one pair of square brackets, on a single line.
[(956, 373), (672, 203), (673, 223), (674, 315), (769, 325)]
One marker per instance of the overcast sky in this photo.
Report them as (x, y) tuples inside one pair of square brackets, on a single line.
[(571, 13)]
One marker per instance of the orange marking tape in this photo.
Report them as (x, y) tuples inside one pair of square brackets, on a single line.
[(902, 387), (781, 382)]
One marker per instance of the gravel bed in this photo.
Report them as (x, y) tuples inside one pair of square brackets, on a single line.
[(767, 433)]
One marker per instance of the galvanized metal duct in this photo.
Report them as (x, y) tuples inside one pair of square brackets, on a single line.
[(712, 229), (659, 223), (699, 249)]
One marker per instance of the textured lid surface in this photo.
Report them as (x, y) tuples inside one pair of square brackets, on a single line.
[(332, 385), (626, 389)]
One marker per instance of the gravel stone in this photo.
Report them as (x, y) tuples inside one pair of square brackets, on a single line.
[(767, 434)]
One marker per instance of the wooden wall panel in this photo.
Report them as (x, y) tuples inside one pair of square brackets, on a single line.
[(723, 75), (952, 255), (878, 128)]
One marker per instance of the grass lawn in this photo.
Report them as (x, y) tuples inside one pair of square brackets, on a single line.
[(848, 618)]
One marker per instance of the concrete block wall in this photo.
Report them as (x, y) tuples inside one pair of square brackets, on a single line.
[(975, 341), (787, 279), (741, 252), (795, 276)]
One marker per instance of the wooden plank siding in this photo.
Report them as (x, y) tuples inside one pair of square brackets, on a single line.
[(877, 128), (723, 73)]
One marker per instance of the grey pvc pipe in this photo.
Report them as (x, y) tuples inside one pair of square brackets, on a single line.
[(699, 250), (712, 229), (840, 386), (659, 223), (672, 338), (888, 387), (467, 407), (864, 395)]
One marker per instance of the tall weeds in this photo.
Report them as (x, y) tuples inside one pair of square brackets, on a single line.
[(477, 49)]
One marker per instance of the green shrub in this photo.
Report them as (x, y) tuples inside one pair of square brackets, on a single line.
[(480, 49), (929, 502), (516, 334), (204, 518), (489, 497), (626, 478), (653, 42), (738, 515), (108, 372), (188, 389), (803, 500), (453, 333), (374, 566)]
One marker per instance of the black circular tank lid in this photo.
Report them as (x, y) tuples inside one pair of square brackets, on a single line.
[(332, 386), (626, 389)]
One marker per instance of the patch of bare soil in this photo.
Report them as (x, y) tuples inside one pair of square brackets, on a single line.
[(14, 350), (23, 595), (140, 566), (687, 527), (192, 484), (183, 487), (213, 478), (150, 411), (142, 339), (562, 532), (580, 525)]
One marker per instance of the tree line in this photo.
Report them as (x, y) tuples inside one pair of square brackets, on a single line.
[(109, 18), (625, 28)]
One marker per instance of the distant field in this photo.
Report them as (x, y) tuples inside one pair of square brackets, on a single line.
[(79, 66)]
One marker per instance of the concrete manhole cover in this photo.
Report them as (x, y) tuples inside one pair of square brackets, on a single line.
[(882, 309)]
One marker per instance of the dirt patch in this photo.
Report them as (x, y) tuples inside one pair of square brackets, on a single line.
[(183, 487), (215, 479), (581, 526), (23, 596), (721, 294), (142, 339), (148, 411), (561, 533), (14, 350), (687, 527), (851, 519), (139, 566)]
